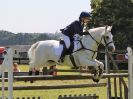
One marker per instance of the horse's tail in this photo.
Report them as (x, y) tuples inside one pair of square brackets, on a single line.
[(31, 52)]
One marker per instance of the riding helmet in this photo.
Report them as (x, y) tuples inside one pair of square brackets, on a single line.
[(84, 14)]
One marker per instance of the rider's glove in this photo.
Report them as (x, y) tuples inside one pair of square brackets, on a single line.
[(77, 37)]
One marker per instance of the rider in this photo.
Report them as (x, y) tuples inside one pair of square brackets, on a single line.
[(76, 27)]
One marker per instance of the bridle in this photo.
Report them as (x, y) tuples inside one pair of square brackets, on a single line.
[(98, 43), (106, 44)]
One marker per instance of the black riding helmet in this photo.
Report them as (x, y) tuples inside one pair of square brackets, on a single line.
[(84, 14)]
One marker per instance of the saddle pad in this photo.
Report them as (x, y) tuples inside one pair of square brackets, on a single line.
[(58, 49)]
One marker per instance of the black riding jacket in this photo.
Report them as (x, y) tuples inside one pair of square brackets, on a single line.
[(72, 29)]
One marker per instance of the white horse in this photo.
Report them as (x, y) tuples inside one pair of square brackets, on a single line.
[(47, 53)]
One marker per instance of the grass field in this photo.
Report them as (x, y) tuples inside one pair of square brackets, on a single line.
[(53, 94)]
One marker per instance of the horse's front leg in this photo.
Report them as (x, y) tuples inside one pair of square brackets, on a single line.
[(98, 67), (85, 62)]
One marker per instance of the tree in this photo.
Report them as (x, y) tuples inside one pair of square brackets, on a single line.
[(9, 38), (117, 13)]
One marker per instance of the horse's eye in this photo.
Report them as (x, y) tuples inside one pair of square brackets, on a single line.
[(106, 37)]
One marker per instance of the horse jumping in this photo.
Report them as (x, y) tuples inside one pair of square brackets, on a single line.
[(48, 52)]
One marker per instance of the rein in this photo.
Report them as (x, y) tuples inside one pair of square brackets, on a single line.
[(83, 48), (98, 43)]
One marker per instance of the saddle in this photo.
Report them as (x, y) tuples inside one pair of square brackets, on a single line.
[(66, 51)]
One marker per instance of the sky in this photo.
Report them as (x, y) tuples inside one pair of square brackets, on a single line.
[(39, 16)]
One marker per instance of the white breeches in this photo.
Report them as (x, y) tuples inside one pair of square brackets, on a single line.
[(66, 40)]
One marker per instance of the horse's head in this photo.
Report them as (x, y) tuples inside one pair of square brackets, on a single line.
[(97, 36), (107, 40)]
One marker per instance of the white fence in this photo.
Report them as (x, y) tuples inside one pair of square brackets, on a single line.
[(8, 66), (130, 72)]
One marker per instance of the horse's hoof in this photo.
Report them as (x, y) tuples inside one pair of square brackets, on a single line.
[(95, 80)]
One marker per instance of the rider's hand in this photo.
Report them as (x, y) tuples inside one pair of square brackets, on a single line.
[(77, 37)]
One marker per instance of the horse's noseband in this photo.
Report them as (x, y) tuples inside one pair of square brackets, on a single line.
[(106, 44)]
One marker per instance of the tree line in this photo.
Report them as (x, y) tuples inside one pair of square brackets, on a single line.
[(9, 38), (119, 15)]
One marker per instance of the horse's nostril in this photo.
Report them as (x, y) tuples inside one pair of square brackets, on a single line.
[(111, 48)]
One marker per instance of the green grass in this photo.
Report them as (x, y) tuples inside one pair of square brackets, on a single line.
[(53, 94), (24, 68)]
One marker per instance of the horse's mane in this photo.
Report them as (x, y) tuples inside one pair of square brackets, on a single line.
[(98, 29)]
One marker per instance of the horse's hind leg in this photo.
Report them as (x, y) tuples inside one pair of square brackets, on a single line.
[(37, 71), (30, 72)]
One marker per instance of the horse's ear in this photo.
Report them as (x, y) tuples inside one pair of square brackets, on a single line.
[(109, 28), (106, 27)]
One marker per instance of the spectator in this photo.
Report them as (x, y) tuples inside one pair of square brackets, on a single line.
[(15, 67), (126, 56)]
